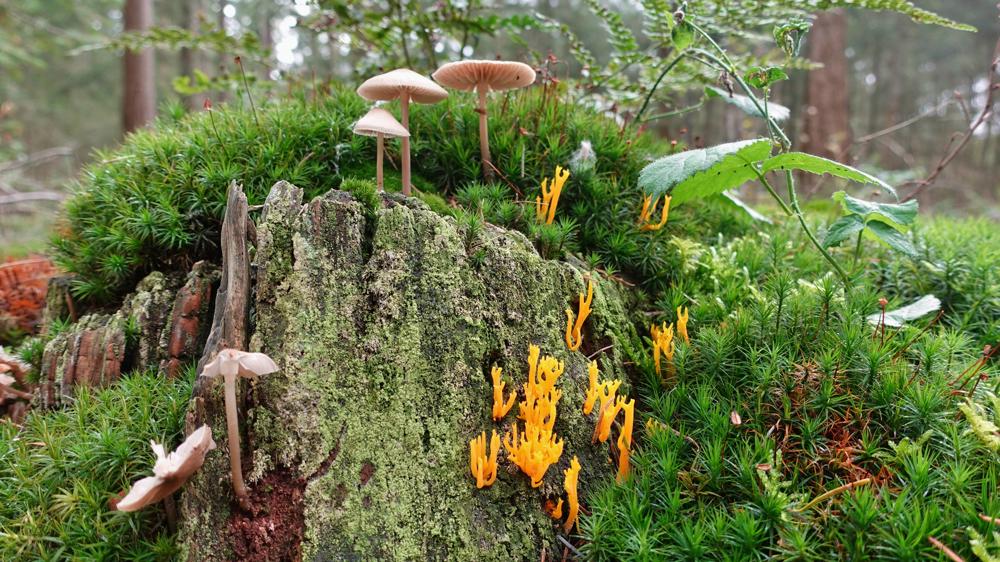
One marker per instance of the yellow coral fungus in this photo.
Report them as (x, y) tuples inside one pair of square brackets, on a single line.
[(483, 466), (593, 391), (545, 205), (536, 448), (663, 343), (570, 484), (625, 438), (500, 408), (609, 411), (573, 336), (648, 208), (554, 509), (682, 324)]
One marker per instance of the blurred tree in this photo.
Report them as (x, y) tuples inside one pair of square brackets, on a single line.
[(139, 101), (827, 115)]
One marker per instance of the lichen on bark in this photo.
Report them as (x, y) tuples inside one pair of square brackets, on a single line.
[(385, 329)]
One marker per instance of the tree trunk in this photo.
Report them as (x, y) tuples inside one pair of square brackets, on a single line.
[(827, 124), (189, 18), (139, 103)]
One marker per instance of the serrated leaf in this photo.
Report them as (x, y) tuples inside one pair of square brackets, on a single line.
[(777, 112), (896, 318), (898, 215), (844, 228), (754, 213), (891, 237), (682, 35), (705, 171), (819, 165), (762, 77)]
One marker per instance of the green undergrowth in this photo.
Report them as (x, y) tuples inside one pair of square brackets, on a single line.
[(59, 471), (156, 202), (786, 392)]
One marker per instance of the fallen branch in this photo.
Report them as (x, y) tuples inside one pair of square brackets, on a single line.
[(31, 196), (839, 489), (945, 550)]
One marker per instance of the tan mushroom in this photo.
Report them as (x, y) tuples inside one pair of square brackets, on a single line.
[(230, 364), (379, 123), (406, 86), (170, 471), (484, 76)]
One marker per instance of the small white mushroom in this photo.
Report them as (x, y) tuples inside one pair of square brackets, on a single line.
[(379, 123), (406, 86), (484, 76), (230, 364), (170, 472)]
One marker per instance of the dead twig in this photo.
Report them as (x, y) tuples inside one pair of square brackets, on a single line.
[(945, 550)]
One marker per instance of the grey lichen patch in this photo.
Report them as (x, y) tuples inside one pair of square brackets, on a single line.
[(385, 331)]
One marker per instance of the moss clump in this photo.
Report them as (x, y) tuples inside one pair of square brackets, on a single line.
[(58, 472)]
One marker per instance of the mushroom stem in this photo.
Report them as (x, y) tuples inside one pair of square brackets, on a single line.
[(378, 161), (404, 113), (233, 428), (484, 139)]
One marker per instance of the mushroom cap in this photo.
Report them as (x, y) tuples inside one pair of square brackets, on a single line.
[(6, 380), (170, 471), (380, 122), (497, 75), (245, 363), (392, 84)]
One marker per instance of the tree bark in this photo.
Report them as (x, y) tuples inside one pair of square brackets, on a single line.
[(189, 18), (139, 102), (827, 124)]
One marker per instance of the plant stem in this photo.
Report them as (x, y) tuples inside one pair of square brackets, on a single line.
[(857, 248), (645, 102), (805, 227), (246, 84)]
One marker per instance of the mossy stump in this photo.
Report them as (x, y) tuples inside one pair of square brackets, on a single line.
[(385, 323)]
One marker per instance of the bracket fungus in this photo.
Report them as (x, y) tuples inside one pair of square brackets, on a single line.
[(574, 336), (483, 464), (230, 364), (484, 76), (406, 86), (379, 123), (500, 408), (170, 472)]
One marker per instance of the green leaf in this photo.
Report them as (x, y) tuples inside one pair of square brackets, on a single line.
[(891, 237), (705, 171), (762, 77), (682, 35), (776, 111), (818, 165), (844, 228), (741, 204), (898, 215), (789, 36), (895, 318)]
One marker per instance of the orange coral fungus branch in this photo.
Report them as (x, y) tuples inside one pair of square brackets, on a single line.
[(593, 391), (663, 343), (500, 408), (574, 337), (625, 438), (646, 214), (572, 478), (609, 411), (545, 206), (682, 324), (536, 448), (483, 466)]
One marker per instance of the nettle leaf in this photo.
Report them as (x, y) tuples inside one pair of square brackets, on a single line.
[(844, 228), (682, 35), (898, 215), (891, 237), (762, 77), (896, 318), (819, 165), (705, 171), (776, 111)]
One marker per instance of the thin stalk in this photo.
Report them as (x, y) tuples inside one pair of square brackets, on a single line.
[(484, 138), (233, 429), (246, 85), (805, 227), (378, 162), (649, 96), (857, 248), (827, 495), (675, 112), (404, 113)]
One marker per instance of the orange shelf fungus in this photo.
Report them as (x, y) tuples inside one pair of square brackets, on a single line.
[(483, 465), (545, 205), (536, 448), (663, 343), (682, 324), (573, 335), (648, 209), (570, 484), (593, 391), (500, 408), (625, 438)]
